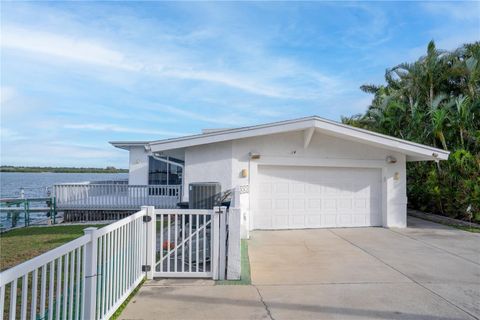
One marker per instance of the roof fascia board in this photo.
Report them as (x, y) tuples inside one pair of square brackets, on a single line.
[(126, 145), (329, 127), (240, 133), (380, 140)]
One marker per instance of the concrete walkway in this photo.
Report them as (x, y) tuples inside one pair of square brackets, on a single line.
[(426, 271)]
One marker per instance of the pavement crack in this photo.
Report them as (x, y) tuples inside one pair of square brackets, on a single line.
[(264, 304), (433, 246), (405, 275)]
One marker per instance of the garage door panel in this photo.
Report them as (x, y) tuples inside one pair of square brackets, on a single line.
[(298, 204), (265, 204), (297, 221), (344, 220), (315, 204), (298, 188), (280, 222), (344, 204), (314, 188), (314, 220), (359, 220), (312, 197), (330, 205), (330, 220), (265, 188), (281, 204), (360, 204), (281, 187)]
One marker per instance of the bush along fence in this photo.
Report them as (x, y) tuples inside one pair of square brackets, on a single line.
[(90, 277)]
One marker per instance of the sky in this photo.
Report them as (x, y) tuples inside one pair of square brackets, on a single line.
[(75, 75)]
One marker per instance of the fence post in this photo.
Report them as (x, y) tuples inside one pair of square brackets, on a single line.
[(234, 266), (235, 198), (90, 305), (215, 241), (222, 256), (151, 240)]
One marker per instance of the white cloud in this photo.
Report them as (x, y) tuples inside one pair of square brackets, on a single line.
[(62, 153), (229, 79), (458, 10), (231, 119), (10, 135), (371, 31), (265, 75), (71, 48), (7, 93), (116, 128)]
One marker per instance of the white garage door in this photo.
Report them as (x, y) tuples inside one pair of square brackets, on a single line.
[(317, 197)]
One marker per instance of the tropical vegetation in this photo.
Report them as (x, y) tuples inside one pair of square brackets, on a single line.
[(435, 101)]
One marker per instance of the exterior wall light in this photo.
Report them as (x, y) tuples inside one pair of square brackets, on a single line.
[(391, 159), (254, 156), (244, 173)]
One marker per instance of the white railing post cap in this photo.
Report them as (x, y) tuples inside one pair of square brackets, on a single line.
[(89, 230)]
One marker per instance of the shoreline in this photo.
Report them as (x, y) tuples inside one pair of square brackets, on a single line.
[(10, 169)]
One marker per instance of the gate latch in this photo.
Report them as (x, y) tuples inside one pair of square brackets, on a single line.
[(147, 218), (146, 268)]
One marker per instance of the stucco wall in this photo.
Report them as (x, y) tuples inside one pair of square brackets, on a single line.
[(138, 166), (209, 163)]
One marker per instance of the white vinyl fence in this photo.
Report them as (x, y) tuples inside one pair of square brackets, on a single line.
[(90, 277), (87, 278)]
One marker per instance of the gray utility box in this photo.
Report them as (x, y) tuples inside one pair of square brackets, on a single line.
[(204, 195)]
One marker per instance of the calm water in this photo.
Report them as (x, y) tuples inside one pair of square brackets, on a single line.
[(36, 184)]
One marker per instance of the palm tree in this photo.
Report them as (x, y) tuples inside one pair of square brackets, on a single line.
[(463, 116), (434, 100), (433, 65), (439, 119)]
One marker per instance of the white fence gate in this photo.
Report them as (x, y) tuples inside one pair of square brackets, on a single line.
[(187, 243)]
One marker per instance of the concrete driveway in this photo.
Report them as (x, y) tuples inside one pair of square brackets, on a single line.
[(426, 271)]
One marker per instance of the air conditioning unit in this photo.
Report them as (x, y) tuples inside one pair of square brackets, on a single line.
[(204, 195)]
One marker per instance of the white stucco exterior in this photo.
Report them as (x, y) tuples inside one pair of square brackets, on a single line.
[(308, 143), (209, 163), (138, 166)]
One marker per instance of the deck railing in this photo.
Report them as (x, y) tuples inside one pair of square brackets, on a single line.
[(87, 278), (115, 196)]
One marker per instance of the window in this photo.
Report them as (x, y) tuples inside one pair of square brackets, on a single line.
[(163, 173)]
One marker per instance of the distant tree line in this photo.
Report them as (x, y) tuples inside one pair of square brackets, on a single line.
[(435, 101), (61, 169)]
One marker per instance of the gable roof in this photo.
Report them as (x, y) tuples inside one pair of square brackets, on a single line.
[(414, 151)]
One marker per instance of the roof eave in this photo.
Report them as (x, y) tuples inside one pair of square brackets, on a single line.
[(232, 134), (382, 141), (126, 145)]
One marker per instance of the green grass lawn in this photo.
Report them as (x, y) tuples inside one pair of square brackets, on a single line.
[(245, 278), (19, 245), (465, 228)]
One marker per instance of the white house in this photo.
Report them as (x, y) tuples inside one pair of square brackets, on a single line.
[(301, 173)]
